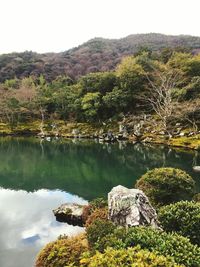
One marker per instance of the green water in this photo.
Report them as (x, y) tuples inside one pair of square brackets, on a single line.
[(37, 176)]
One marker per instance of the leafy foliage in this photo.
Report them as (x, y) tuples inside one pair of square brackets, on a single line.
[(95, 55), (101, 214), (132, 257), (182, 217), (97, 230), (62, 252), (99, 203), (90, 105), (166, 185), (153, 83), (97, 206), (166, 244)]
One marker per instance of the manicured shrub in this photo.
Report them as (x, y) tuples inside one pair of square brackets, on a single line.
[(166, 244), (182, 217), (97, 230), (131, 257), (101, 213), (164, 186), (62, 252), (114, 239)]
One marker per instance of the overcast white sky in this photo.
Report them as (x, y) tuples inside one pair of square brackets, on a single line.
[(57, 25)]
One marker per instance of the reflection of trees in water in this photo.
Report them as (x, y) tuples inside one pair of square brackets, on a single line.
[(143, 157), (86, 168)]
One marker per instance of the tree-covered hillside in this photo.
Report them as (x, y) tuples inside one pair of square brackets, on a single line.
[(165, 85), (95, 55)]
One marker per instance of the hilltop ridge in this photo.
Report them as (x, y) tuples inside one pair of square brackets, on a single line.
[(97, 54)]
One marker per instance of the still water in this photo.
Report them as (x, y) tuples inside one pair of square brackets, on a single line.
[(37, 176)]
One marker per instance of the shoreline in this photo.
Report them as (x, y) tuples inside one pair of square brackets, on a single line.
[(129, 140), (74, 130)]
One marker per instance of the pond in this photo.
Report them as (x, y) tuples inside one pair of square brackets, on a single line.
[(37, 176)]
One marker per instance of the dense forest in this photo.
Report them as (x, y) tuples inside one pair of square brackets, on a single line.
[(165, 84), (95, 55)]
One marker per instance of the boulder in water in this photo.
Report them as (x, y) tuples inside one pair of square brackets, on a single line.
[(70, 213)]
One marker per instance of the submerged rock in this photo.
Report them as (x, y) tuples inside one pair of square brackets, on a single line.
[(70, 213), (130, 207)]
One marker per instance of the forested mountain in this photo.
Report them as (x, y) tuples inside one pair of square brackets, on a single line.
[(95, 55)]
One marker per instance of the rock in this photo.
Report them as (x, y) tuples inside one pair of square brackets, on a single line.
[(191, 134), (121, 136), (121, 128), (107, 137), (75, 132), (130, 207), (70, 213), (182, 134), (101, 131), (196, 168), (147, 140), (125, 135)]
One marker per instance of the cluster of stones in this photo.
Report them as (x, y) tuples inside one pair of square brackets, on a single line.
[(126, 207)]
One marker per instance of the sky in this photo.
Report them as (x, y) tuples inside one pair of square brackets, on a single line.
[(58, 25)]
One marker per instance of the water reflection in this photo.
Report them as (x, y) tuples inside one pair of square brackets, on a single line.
[(87, 169), (78, 168), (27, 223)]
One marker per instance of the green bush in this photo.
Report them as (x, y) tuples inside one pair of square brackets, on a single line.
[(182, 217), (97, 230), (166, 244), (132, 257), (62, 252), (166, 185), (98, 203), (113, 239)]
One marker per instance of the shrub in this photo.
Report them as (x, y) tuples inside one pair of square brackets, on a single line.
[(62, 252), (97, 203), (133, 257), (182, 217), (114, 239), (87, 210), (97, 230), (97, 214), (166, 244), (166, 185)]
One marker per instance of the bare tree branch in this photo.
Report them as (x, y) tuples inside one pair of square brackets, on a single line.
[(161, 94)]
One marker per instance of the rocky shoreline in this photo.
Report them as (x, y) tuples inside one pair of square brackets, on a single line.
[(181, 138)]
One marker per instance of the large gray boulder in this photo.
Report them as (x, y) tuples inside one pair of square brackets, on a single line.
[(130, 207)]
